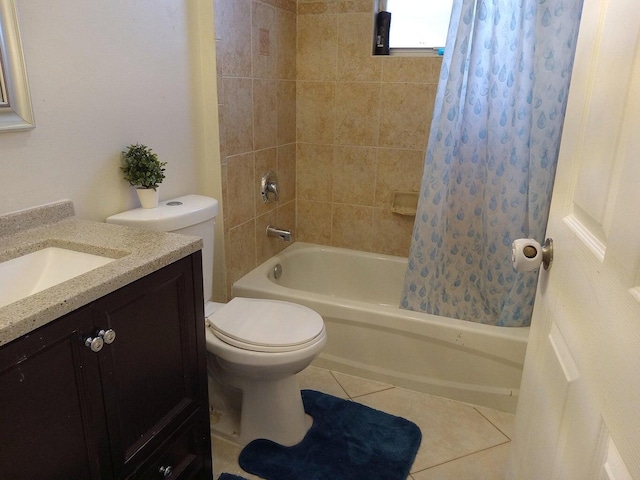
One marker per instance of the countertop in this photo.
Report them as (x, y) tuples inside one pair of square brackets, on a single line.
[(137, 253)]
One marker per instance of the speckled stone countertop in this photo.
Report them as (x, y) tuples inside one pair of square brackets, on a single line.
[(137, 253)]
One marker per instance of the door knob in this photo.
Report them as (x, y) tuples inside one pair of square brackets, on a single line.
[(527, 254)]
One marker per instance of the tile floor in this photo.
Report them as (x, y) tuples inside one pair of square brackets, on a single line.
[(459, 441)]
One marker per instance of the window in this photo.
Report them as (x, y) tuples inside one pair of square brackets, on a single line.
[(418, 24)]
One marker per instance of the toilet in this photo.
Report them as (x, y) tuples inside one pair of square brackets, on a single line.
[(255, 346)]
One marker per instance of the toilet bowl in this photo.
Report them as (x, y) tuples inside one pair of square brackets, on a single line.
[(255, 347)]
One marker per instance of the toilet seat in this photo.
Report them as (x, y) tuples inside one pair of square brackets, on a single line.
[(262, 325)]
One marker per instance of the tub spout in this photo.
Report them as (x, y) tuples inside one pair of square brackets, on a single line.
[(278, 233)]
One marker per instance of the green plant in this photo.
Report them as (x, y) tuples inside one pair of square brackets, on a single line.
[(142, 167)]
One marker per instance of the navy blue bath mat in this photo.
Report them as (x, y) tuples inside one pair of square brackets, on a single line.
[(348, 441), (229, 476)]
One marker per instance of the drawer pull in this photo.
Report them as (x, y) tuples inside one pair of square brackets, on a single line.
[(94, 343), (166, 471), (107, 335)]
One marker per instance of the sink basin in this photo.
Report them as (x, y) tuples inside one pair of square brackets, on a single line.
[(34, 272)]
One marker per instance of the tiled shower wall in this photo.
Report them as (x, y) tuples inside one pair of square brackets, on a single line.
[(301, 94), (362, 129), (255, 49)]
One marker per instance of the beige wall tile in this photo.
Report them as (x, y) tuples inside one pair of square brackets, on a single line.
[(313, 222), (238, 115), (315, 112), (267, 247), (286, 40), (234, 22), (352, 227), (357, 113), (289, 5), (264, 40), (314, 172), (355, 6), (408, 108), (265, 114), (240, 252), (286, 108), (286, 156), (222, 133), (317, 48), (355, 44), (398, 170), (256, 113), (287, 219), (309, 7), (354, 175), (411, 69), (240, 189), (392, 232), (225, 195)]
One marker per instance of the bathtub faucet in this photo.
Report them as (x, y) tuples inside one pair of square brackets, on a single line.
[(278, 233)]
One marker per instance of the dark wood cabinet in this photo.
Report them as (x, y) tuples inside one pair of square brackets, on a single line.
[(135, 409)]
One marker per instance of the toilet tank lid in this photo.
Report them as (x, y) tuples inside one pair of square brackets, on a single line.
[(170, 215)]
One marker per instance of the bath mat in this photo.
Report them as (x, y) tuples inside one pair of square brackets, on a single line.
[(347, 441), (230, 476)]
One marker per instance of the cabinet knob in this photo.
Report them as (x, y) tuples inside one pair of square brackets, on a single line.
[(94, 343), (107, 335), (166, 471)]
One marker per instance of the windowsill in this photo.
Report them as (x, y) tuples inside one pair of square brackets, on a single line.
[(414, 52)]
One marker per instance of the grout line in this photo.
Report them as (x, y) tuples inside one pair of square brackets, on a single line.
[(494, 425), (340, 385), (390, 387), (461, 457)]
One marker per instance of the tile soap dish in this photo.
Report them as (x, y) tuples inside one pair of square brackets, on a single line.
[(404, 203)]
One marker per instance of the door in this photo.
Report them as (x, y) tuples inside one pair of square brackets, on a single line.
[(149, 372), (578, 414), (51, 413)]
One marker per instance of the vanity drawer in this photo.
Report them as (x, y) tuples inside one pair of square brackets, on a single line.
[(178, 458)]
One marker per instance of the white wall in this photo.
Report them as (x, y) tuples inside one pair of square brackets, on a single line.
[(104, 75)]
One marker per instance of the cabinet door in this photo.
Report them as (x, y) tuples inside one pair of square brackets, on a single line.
[(51, 414), (150, 373)]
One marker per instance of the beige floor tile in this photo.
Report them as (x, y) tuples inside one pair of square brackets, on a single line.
[(486, 465), (321, 380), (356, 386), (450, 429), (225, 458), (504, 421), (460, 441)]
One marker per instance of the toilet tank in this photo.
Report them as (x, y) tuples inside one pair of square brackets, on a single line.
[(189, 215)]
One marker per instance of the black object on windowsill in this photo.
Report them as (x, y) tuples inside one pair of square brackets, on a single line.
[(383, 24)]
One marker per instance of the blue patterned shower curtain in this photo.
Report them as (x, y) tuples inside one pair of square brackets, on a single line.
[(492, 156)]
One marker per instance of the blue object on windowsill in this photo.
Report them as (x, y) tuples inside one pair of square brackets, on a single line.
[(441, 51)]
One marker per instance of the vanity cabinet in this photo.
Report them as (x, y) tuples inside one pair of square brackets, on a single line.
[(136, 408)]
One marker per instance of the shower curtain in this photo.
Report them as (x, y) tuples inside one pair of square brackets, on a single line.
[(491, 159)]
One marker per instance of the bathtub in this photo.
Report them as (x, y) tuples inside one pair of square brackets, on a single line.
[(358, 293)]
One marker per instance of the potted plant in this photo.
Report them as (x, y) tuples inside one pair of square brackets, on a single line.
[(143, 170)]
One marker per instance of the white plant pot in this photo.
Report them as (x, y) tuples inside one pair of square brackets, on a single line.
[(148, 197)]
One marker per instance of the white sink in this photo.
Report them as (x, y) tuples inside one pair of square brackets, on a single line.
[(34, 272)]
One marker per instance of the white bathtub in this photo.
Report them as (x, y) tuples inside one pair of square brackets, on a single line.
[(357, 294)]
